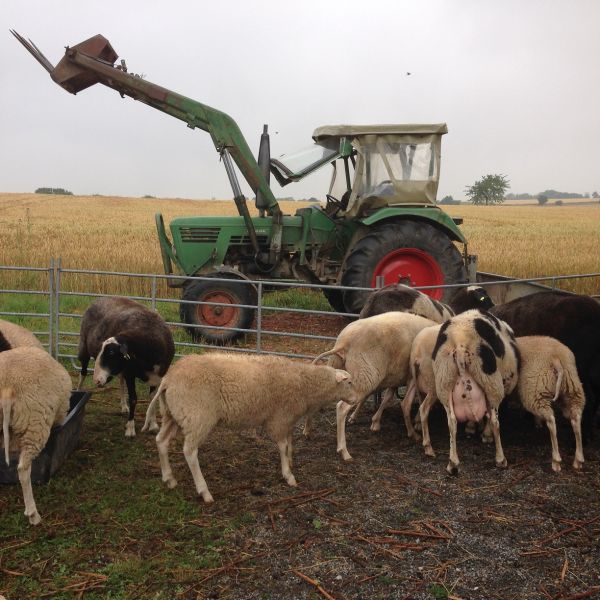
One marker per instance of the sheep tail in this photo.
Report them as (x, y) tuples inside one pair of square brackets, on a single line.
[(151, 412), (461, 360), (328, 353), (6, 403), (556, 364)]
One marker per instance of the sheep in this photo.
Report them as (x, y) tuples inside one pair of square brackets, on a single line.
[(573, 320), (126, 339), (15, 336), (200, 391), (548, 375), (34, 395), (475, 363), (406, 299), (375, 351)]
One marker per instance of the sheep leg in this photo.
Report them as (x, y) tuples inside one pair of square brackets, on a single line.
[(130, 427), (495, 424), (308, 423), (85, 361), (576, 425), (24, 471), (289, 449), (286, 471), (152, 424), (406, 405), (487, 436), (453, 460), (341, 411), (190, 451), (424, 409), (354, 414), (124, 403), (388, 396), (167, 432), (470, 428)]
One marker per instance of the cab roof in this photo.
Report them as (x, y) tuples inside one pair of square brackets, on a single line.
[(351, 131)]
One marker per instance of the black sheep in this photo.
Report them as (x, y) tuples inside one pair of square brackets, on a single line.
[(126, 339), (571, 319)]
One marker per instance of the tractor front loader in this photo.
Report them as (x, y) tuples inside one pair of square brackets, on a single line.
[(380, 221)]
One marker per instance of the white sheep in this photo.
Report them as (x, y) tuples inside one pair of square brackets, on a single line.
[(475, 362), (15, 336), (548, 376), (375, 351), (34, 395), (241, 392)]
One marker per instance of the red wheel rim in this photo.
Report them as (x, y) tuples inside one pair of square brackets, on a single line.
[(418, 266), (219, 316)]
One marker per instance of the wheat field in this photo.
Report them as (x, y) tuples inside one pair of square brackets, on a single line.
[(118, 234)]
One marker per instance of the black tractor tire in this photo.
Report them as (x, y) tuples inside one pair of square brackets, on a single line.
[(431, 248), (335, 299), (204, 315)]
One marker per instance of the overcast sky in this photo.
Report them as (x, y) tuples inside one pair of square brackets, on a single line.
[(517, 82)]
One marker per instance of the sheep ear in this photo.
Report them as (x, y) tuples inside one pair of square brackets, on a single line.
[(123, 349), (341, 375)]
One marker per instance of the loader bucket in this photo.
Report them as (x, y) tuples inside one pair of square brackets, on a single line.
[(67, 74)]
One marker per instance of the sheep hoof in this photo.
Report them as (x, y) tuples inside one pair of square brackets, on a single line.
[(556, 466), (291, 480), (487, 439), (415, 436), (429, 451), (207, 497), (417, 426), (345, 454), (153, 428), (375, 426), (34, 518), (502, 464), (452, 469), (130, 429), (124, 409), (577, 464), (171, 482)]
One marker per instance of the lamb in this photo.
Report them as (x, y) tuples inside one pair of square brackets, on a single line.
[(375, 351), (475, 363), (571, 319), (34, 395), (15, 336), (126, 339), (406, 299), (200, 391), (548, 375)]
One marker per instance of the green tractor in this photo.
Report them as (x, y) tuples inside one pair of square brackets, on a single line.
[(380, 223)]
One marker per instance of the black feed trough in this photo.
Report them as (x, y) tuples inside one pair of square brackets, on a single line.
[(62, 441)]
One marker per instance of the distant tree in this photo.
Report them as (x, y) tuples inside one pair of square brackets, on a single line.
[(57, 191), (490, 189), (449, 200), (558, 203), (595, 195), (542, 199)]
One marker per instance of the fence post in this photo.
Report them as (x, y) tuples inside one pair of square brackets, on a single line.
[(153, 304), (379, 281), (51, 308), (259, 317), (57, 264)]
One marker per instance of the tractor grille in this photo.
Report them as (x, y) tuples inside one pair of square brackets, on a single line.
[(200, 234), (244, 240)]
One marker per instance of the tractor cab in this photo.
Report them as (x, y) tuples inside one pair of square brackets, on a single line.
[(374, 166)]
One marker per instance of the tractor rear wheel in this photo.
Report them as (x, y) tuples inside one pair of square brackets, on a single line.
[(217, 315), (335, 299), (414, 250)]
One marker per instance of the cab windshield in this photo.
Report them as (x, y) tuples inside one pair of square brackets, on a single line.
[(292, 167)]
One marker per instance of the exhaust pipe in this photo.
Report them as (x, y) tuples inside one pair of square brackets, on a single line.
[(264, 163)]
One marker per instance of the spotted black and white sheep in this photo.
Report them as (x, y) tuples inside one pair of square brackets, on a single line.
[(34, 395), (573, 320), (375, 351), (240, 392), (475, 363), (406, 299), (15, 336), (547, 378), (126, 339)]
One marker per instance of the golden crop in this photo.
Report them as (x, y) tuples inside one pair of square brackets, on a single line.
[(118, 234)]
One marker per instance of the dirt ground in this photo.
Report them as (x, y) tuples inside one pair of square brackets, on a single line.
[(392, 523)]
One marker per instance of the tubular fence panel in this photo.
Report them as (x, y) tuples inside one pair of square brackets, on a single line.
[(56, 298)]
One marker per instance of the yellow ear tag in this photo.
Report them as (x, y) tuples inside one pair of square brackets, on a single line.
[(127, 357)]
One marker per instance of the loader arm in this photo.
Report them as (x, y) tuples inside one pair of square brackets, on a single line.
[(92, 61)]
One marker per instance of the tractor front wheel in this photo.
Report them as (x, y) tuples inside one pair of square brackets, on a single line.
[(414, 250), (207, 316)]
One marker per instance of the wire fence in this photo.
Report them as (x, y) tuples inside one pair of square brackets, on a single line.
[(53, 310)]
